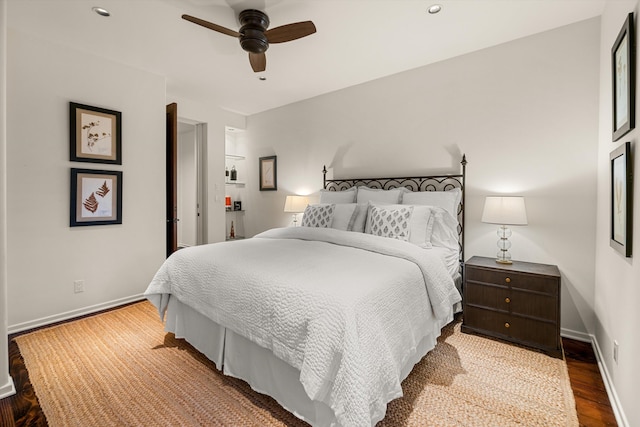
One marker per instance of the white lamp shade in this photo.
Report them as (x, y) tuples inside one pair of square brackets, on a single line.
[(505, 210), (296, 204)]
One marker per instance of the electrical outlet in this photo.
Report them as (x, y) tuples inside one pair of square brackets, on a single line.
[(78, 286), (615, 351)]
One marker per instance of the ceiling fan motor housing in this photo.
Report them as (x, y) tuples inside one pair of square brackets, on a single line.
[(254, 24)]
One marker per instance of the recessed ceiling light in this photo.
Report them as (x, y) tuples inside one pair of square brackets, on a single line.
[(262, 78), (433, 9), (101, 11)]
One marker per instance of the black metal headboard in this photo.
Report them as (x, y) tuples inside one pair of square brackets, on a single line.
[(416, 183)]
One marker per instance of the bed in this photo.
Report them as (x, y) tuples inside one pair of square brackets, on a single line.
[(330, 317)]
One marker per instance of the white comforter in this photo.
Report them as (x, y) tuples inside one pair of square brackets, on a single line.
[(346, 309)]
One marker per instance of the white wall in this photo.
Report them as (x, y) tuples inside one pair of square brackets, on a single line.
[(46, 255), (526, 115), (617, 279)]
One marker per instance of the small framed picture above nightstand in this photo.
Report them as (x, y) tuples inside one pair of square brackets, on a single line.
[(517, 302)]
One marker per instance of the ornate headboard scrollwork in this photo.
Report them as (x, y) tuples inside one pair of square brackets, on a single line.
[(418, 183)]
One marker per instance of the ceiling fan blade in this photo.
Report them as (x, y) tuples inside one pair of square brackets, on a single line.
[(258, 61), (211, 26), (290, 32)]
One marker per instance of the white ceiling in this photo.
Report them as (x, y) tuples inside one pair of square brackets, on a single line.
[(356, 40)]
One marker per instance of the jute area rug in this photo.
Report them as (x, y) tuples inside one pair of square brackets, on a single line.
[(121, 369)]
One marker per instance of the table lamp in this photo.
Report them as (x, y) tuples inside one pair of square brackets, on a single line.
[(295, 205), (504, 210)]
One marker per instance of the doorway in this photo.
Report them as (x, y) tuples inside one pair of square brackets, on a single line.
[(186, 181), (190, 183)]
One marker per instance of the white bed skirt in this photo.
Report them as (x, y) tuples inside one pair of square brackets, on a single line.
[(238, 357)]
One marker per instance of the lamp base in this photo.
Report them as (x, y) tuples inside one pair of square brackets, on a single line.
[(503, 256)]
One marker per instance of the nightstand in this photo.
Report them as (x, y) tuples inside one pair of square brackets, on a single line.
[(517, 302)]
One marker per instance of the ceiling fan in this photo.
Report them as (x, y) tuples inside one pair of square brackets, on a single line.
[(254, 36)]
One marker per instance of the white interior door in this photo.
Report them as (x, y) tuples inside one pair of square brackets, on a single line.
[(190, 185)]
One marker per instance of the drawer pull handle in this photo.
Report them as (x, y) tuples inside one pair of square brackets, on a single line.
[(507, 325), (508, 280), (507, 300)]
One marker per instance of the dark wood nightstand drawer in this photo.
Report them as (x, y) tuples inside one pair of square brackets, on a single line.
[(534, 305), (534, 333), (490, 296), (512, 279), (514, 301), (518, 302)]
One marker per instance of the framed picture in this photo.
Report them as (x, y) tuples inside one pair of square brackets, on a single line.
[(96, 197), (621, 199), (96, 134), (268, 174), (623, 72)]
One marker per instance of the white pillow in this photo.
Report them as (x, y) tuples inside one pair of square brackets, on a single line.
[(359, 218), (421, 224), (320, 216), (342, 215), (449, 200), (393, 223), (376, 195), (445, 229), (345, 196)]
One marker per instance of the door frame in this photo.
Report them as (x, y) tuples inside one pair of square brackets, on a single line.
[(201, 184), (172, 186), (172, 178)]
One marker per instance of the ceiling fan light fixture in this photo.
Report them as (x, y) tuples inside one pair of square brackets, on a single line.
[(435, 8), (101, 11), (254, 41), (254, 36)]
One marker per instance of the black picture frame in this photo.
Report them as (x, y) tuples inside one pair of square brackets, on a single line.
[(268, 173), (621, 230), (623, 80), (95, 134), (96, 197)]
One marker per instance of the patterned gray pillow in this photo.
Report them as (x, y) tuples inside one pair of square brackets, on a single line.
[(318, 216), (393, 223)]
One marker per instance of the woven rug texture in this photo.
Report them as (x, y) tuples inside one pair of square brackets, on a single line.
[(121, 369)]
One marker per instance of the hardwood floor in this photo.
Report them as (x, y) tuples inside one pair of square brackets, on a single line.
[(592, 402)]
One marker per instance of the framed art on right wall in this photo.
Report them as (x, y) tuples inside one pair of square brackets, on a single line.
[(623, 79), (621, 199)]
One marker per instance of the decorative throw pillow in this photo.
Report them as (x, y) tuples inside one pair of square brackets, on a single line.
[(393, 223), (319, 216)]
